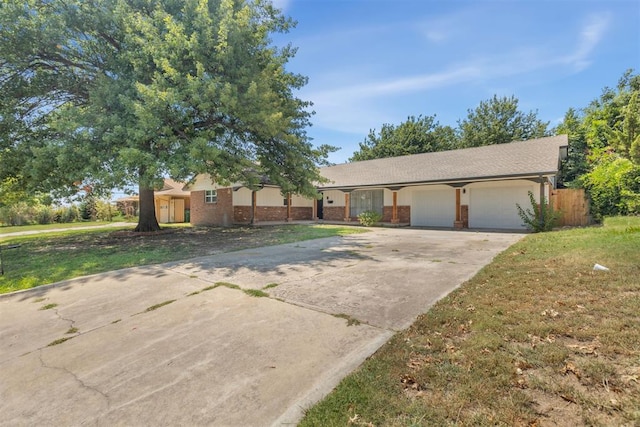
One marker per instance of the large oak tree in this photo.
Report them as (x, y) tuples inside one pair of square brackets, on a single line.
[(111, 93)]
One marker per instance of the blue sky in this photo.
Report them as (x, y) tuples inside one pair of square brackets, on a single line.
[(371, 62)]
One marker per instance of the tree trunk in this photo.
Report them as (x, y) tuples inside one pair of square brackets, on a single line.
[(147, 220)]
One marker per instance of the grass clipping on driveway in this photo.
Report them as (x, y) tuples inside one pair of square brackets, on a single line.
[(537, 338)]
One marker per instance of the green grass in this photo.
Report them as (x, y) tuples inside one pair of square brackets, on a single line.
[(298, 233), (535, 338), (56, 256), (157, 306), (44, 227), (58, 341), (256, 293)]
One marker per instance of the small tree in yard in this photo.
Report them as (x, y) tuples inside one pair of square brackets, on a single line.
[(540, 217)]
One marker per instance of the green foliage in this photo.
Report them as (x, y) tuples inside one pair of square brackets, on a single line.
[(369, 218), (498, 121), (576, 164), (111, 93), (604, 118), (539, 217), (88, 207), (613, 186), (66, 214), (416, 135), (626, 137), (104, 210)]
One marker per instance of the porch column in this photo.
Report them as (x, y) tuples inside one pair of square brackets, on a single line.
[(289, 218), (314, 214), (542, 199), (458, 224), (394, 209), (347, 207)]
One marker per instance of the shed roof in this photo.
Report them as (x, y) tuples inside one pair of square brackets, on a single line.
[(173, 188), (520, 159)]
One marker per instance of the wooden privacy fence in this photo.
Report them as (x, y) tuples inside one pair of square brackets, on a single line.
[(573, 204)]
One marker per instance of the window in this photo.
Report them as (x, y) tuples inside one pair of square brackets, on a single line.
[(367, 200), (210, 196)]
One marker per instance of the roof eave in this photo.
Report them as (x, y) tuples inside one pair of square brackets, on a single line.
[(529, 175)]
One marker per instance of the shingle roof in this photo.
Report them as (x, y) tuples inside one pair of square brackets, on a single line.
[(532, 158), (173, 188)]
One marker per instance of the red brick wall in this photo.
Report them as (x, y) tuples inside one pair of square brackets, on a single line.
[(336, 213), (242, 214), (300, 213), (219, 213), (333, 213), (404, 214)]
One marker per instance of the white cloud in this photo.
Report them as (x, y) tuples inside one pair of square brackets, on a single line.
[(590, 37), (349, 105)]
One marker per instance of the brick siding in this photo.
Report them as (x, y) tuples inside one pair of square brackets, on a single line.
[(404, 214), (242, 214), (219, 213), (333, 213)]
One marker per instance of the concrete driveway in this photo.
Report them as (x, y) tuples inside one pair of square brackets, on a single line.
[(157, 346)]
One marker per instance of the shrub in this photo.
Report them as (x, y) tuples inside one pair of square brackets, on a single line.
[(17, 214), (66, 214), (104, 211), (539, 217), (44, 214), (613, 186), (369, 218)]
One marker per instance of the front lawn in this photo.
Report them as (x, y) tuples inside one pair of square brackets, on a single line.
[(55, 256), (537, 338)]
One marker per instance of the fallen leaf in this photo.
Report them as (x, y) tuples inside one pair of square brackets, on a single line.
[(571, 367)]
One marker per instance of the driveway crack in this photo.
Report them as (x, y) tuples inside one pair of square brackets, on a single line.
[(75, 378), (72, 322)]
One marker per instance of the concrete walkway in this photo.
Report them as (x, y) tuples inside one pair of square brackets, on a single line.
[(157, 346)]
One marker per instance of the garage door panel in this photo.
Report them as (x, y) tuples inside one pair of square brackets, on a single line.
[(433, 208), (496, 207)]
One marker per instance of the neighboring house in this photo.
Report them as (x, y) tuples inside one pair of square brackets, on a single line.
[(172, 202), (468, 188)]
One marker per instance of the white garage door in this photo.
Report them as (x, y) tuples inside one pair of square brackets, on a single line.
[(433, 208), (496, 207)]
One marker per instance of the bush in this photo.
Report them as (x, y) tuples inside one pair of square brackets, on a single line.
[(104, 211), (17, 214), (66, 214), (613, 186), (539, 217), (44, 214), (369, 218)]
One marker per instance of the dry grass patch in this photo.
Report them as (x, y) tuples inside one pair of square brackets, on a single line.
[(537, 338)]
